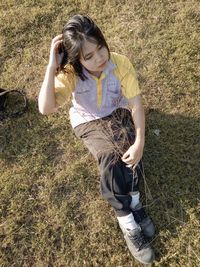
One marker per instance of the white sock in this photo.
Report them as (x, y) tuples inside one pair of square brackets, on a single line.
[(128, 222), (135, 199)]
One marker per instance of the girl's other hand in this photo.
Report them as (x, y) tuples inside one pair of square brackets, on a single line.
[(133, 155), (55, 58)]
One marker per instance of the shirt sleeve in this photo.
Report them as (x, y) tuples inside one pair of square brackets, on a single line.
[(129, 82), (64, 86)]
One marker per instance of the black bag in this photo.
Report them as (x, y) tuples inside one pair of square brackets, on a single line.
[(13, 103)]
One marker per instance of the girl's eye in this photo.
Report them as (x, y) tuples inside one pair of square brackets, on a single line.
[(89, 57)]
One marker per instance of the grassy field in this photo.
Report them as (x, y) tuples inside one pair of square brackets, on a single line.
[(51, 212)]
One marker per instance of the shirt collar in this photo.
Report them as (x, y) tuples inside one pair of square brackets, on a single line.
[(109, 67)]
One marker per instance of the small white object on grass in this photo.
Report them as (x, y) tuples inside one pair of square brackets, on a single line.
[(156, 132)]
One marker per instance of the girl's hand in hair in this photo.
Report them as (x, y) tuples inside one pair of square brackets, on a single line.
[(55, 58)]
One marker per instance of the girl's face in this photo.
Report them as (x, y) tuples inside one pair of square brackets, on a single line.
[(94, 57)]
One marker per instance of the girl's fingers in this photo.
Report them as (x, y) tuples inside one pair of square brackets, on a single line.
[(55, 57), (133, 166), (131, 161), (57, 45), (54, 47), (126, 154), (57, 38), (126, 160)]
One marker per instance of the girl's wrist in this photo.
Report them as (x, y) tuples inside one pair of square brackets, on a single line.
[(51, 68), (140, 141)]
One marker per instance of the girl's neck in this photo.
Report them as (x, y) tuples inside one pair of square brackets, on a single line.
[(96, 73)]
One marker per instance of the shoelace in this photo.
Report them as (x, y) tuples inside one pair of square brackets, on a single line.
[(138, 240)]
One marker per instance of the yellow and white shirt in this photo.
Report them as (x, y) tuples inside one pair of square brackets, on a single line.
[(95, 97)]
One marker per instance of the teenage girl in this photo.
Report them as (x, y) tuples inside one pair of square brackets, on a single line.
[(107, 114)]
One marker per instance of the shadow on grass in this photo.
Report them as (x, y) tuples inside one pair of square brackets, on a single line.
[(172, 187), (171, 162), (29, 135)]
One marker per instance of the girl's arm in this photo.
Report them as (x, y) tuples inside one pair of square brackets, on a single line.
[(46, 100), (138, 119), (133, 155)]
